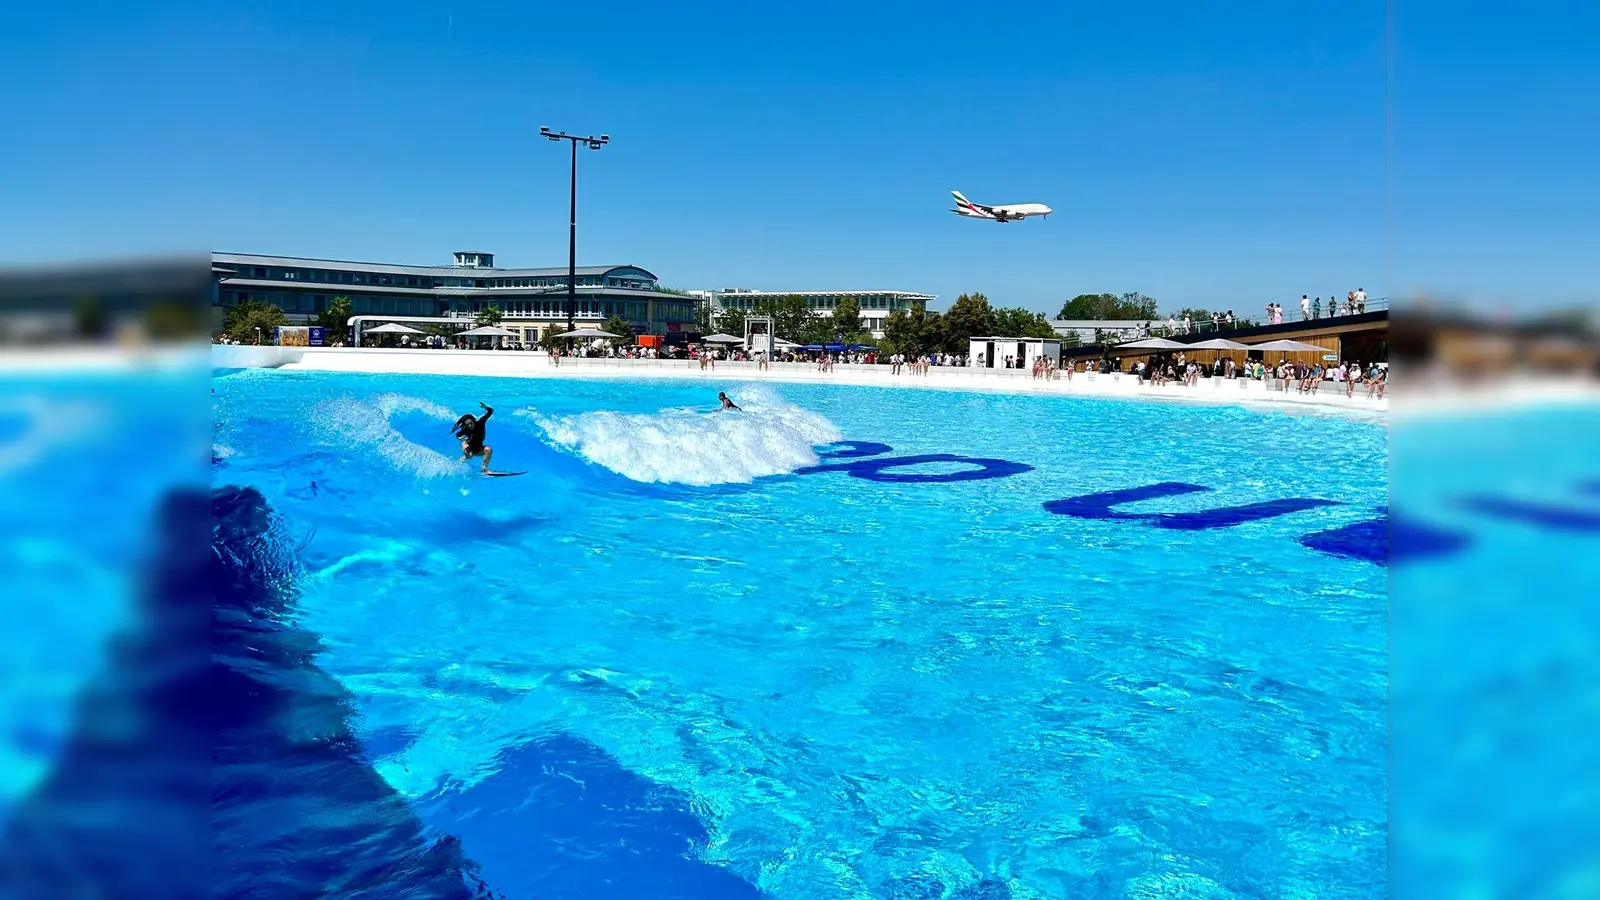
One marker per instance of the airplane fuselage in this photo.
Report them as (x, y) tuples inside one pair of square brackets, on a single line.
[(1005, 213)]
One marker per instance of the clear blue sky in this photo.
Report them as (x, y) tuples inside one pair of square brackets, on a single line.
[(1203, 153)]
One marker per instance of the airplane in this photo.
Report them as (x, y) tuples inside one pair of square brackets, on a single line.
[(967, 208)]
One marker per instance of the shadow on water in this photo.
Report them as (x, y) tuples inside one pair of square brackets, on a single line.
[(122, 811), (561, 819), (212, 757)]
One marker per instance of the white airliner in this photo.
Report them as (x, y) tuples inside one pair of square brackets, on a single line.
[(965, 207)]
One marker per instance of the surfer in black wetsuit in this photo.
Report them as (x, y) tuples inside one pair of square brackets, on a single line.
[(726, 403), (469, 429)]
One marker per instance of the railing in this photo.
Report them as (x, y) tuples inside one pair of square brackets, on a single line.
[(950, 374), (1160, 329)]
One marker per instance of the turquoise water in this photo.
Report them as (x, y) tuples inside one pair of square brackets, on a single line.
[(1495, 659), (804, 649)]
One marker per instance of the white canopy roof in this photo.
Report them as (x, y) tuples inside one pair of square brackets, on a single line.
[(1287, 346), (1219, 344), (1154, 344)]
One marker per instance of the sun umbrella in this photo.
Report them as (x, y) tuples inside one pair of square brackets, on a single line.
[(1287, 346), (487, 331), (1219, 344), (723, 339), (587, 332), (392, 328), (1153, 344)]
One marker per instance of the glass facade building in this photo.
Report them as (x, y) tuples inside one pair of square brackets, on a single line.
[(528, 299), (875, 305)]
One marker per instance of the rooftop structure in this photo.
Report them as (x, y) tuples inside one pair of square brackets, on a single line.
[(528, 298), (876, 305)]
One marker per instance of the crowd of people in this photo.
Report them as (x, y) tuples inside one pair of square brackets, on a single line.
[(1353, 304), (1047, 369), (1303, 378)]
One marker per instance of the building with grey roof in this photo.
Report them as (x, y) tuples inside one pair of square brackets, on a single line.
[(875, 305), (528, 299)]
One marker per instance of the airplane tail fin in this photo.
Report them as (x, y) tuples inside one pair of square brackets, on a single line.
[(961, 201)]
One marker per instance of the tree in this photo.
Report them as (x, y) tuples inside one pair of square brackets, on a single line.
[(488, 315), (900, 331), (166, 320), (934, 336), (243, 320), (815, 330), (89, 317), (548, 338), (847, 318), (917, 331), (791, 316), (1018, 322), (333, 319), (619, 326), (730, 321), (1109, 306), (969, 317), (1195, 314)]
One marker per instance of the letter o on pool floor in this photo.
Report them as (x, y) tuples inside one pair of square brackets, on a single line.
[(879, 469)]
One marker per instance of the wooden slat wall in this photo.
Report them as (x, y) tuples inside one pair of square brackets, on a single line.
[(1329, 343)]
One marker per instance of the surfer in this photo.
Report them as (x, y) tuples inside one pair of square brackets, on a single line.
[(469, 429), (726, 403)]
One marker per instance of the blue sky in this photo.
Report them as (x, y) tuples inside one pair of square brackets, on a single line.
[(1210, 154)]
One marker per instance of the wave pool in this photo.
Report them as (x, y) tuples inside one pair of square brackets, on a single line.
[(849, 642)]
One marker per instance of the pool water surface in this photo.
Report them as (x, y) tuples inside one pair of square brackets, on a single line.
[(847, 642)]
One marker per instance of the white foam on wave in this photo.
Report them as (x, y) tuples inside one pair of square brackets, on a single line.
[(368, 423), (768, 436), (48, 427)]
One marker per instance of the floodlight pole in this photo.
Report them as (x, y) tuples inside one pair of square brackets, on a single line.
[(593, 143)]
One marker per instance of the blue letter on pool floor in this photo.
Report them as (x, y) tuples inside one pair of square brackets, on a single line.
[(879, 469), (1102, 506)]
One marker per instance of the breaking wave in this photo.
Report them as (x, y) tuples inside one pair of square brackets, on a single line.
[(768, 436), (371, 424)]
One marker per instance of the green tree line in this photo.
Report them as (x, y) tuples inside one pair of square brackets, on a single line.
[(1139, 307), (918, 331), (792, 320)]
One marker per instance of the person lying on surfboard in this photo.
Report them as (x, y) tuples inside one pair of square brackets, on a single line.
[(726, 403), (469, 429)]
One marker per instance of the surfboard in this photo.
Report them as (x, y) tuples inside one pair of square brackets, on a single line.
[(505, 474)]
